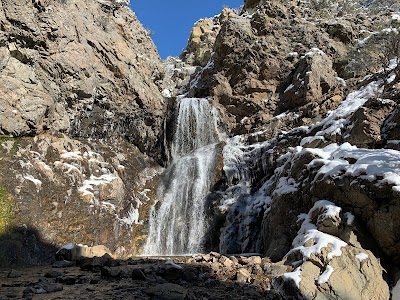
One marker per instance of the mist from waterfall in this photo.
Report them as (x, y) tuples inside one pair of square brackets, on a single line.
[(177, 223)]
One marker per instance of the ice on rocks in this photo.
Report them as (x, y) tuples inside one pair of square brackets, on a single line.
[(349, 218)]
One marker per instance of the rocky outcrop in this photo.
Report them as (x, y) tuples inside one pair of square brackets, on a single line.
[(263, 62), (99, 76), (82, 116), (81, 192), (314, 81), (309, 131), (326, 266)]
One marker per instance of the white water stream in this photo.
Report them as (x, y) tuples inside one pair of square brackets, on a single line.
[(177, 220)]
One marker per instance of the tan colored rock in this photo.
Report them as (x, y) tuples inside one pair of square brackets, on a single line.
[(77, 252), (243, 275), (368, 121), (351, 278), (72, 78), (313, 80)]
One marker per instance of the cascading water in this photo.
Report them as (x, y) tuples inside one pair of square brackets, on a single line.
[(178, 226)]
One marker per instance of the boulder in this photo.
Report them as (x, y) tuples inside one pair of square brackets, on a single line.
[(14, 274), (95, 262), (327, 267), (367, 127), (243, 275)]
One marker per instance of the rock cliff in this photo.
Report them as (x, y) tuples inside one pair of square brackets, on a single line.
[(306, 126), (81, 123), (308, 157), (93, 74)]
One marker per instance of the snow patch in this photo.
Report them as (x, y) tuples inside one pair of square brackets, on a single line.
[(74, 155), (166, 93), (294, 276), (35, 181), (381, 165), (286, 186), (337, 120), (321, 240), (132, 217), (349, 218), (361, 257), (324, 277), (87, 187)]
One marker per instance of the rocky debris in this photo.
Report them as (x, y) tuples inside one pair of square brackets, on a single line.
[(138, 274), (250, 277), (143, 278), (168, 291), (95, 262), (63, 264), (53, 274)]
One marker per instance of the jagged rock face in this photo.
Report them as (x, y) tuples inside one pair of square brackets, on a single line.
[(260, 63), (98, 76), (89, 192), (81, 118)]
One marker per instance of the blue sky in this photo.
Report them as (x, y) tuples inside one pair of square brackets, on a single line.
[(171, 21)]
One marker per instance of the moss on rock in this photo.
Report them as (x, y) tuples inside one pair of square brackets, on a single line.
[(6, 209)]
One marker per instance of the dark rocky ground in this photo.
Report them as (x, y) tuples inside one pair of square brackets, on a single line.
[(210, 276)]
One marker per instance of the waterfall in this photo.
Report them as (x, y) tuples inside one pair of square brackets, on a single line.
[(177, 223)]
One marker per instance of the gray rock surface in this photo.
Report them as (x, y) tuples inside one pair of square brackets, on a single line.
[(97, 76)]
